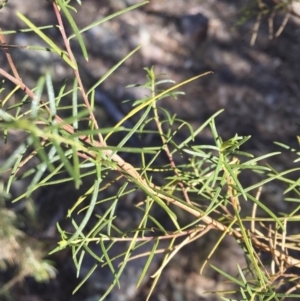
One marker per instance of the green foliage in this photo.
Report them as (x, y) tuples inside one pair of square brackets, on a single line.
[(203, 181), (19, 250), (3, 3), (264, 9)]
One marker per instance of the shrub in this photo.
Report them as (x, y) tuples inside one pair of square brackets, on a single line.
[(202, 184)]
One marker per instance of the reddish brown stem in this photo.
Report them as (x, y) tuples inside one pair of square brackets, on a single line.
[(76, 71)]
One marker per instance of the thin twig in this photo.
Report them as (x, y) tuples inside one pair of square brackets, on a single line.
[(76, 71), (8, 56), (166, 147)]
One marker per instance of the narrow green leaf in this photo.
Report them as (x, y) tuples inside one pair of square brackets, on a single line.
[(74, 27), (267, 210), (87, 276), (108, 261), (156, 222), (60, 95), (86, 247), (134, 129), (51, 95), (89, 211), (60, 52), (42, 183), (110, 71), (41, 151), (249, 249), (13, 172), (234, 280), (118, 13), (41, 169), (69, 168), (148, 262), (260, 158), (157, 274), (37, 98), (114, 206), (78, 266), (121, 268), (196, 132), (19, 152), (157, 97), (6, 32), (217, 193)]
